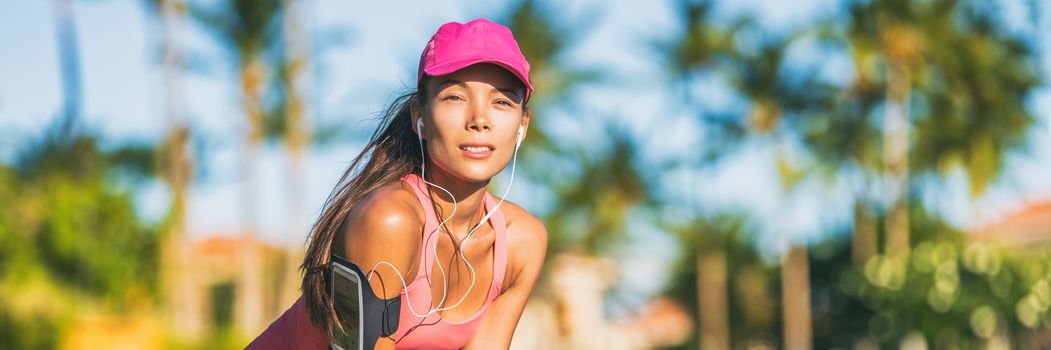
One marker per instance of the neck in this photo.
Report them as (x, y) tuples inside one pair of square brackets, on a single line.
[(469, 197)]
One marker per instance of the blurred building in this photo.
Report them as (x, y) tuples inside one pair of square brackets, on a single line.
[(1027, 229), (214, 264), (566, 312)]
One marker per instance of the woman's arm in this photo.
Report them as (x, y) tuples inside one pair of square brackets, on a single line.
[(528, 237), (384, 227)]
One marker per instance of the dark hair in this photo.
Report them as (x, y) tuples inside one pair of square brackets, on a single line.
[(392, 152)]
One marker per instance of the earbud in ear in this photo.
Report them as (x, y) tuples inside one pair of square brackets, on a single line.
[(519, 141), (419, 128)]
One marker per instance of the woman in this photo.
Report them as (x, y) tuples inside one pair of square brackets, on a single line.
[(462, 277)]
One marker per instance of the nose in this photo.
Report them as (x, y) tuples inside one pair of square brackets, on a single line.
[(478, 120)]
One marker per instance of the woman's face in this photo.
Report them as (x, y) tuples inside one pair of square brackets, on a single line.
[(471, 120)]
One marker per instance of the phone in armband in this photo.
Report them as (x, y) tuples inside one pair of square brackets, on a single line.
[(363, 316)]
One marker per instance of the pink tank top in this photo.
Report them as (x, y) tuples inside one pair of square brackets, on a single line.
[(434, 332), (293, 329)]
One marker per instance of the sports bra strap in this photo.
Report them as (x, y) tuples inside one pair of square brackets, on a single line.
[(430, 230)]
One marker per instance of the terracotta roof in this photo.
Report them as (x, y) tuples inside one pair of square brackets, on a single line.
[(1031, 225), (217, 256)]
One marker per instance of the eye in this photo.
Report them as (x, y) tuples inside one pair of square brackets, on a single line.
[(505, 103), (452, 98)]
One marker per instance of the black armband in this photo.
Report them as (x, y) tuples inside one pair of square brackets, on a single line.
[(363, 316)]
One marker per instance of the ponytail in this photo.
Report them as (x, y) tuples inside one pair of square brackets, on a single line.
[(392, 152)]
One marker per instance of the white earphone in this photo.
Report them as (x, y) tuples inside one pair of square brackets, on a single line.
[(518, 143), (459, 250)]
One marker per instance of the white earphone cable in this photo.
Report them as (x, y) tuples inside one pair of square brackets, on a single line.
[(471, 232), (459, 250)]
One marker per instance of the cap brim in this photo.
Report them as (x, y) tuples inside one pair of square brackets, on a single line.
[(462, 63)]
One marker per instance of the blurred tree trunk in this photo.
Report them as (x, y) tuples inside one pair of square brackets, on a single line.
[(864, 240), (297, 139), (713, 303), (795, 286), (896, 148), (69, 62), (246, 29), (185, 300), (249, 299)]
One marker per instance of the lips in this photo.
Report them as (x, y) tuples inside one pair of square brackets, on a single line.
[(477, 150)]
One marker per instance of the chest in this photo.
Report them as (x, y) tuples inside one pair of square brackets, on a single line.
[(459, 284)]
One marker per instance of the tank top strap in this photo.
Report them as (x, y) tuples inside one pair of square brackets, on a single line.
[(429, 227), (500, 242), (497, 220)]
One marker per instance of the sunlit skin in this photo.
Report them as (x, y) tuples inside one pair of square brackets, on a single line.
[(478, 104)]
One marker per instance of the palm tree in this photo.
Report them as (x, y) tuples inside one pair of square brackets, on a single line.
[(595, 199), (697, 49), (972, 78), (900, 50), (977, 94), (930, 52), (720, 274), (842, 135), (835, 124), (296, 138), (844, 141), (712, 285), (795, 298), (782, 101), (287, 120), (248, 29), (591, 215), (543, 40), (69, 62), (184, 298), (969, 80), (594, 204)]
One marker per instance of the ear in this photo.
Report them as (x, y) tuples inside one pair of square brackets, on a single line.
[(415, 119), (527, 113)]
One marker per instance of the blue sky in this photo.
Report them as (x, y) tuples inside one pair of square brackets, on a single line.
[(122, 100)]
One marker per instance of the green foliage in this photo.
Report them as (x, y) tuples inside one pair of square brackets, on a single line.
[(76, 220), (248, 27), (595, 204), (32, 332), (842, 134), (968, 81), (975, 95), (543, 41), (700, 44), (970, 78), (71, 234), (955, 291)]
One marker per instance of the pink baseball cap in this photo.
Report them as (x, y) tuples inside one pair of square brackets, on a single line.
[(458, 45)]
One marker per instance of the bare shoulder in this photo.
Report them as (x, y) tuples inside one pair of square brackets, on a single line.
[(527, 234), (522, 225), (387, 217)]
